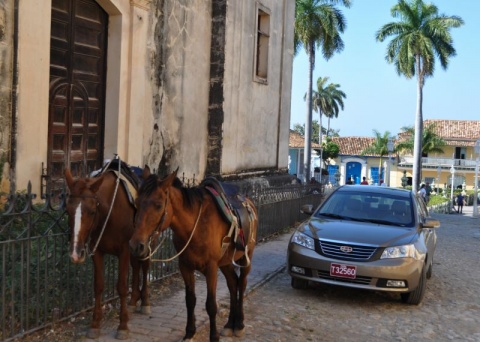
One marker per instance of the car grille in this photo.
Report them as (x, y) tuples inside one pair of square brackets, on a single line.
[(339, 250), (357, 280)]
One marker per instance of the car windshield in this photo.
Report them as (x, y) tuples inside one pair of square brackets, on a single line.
[(381, 208)]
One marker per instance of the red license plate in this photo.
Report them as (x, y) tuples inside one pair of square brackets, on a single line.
[(343, 271)]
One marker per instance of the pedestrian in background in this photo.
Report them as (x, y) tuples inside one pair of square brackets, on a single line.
[(423, 193), (460, 203), (428, 191)]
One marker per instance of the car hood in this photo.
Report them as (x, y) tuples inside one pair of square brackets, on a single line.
[(364, 233)]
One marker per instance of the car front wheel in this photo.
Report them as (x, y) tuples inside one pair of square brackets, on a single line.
[(415, 297), (299, 284)]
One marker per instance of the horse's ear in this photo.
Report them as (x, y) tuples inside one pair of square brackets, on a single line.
[(69, 178), (168, 181), (146, 172), (96, 184)]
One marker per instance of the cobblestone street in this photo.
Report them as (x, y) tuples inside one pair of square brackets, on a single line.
[(274, 311), (450, 310)]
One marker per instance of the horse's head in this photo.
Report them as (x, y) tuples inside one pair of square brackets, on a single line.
[(82, 210), (154, 211)]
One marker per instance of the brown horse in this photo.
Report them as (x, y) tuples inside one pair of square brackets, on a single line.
[(89, 203), (198, 232)]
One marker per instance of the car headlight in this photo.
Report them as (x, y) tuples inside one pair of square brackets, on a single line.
[(303, 240), (406, 251)]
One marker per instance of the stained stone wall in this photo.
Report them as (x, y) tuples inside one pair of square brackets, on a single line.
[(6, 32), (209, 116), (6, 38)]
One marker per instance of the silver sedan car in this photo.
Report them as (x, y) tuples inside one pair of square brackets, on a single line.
[(367, 237)]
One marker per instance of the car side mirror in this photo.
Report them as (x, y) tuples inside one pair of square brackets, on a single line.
[(307, 209), (431, 223)]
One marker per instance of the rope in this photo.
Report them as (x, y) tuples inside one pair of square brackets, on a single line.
[(183, 249), (110, 210)]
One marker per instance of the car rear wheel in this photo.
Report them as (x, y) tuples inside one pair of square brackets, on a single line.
[(299, 284), (415, 297)]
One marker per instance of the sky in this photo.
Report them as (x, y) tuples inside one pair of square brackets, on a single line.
[(377, 97)]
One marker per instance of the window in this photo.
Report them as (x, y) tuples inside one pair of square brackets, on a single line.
[(262, 43)]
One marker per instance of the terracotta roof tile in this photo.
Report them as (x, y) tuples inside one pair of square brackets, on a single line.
[(353, 146), (456, 129), (298, 141), (454, 132)]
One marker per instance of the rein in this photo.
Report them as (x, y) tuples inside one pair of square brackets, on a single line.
[(161, 242), (110, 209)]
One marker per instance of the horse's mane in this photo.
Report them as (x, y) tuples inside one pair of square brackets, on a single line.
[(190, 195)]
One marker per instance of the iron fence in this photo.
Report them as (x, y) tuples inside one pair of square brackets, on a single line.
[(40, 286)]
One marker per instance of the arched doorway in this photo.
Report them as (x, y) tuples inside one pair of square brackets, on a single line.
[(78, 48)]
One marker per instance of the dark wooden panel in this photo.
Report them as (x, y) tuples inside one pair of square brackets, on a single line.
[(77, 86)]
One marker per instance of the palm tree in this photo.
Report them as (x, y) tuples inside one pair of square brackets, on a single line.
[(318, 24), (419, 35), (431, 142), (379, 147), (326, 100)]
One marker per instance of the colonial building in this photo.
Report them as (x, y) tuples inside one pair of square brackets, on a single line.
[(296, 148), (202, 85), (460, 137), (459, 157)]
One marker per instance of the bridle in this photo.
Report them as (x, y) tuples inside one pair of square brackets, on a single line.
[(117, 183), (157, 231), (87, 243)]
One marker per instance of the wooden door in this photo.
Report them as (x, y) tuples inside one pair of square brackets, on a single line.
[(77, 87)]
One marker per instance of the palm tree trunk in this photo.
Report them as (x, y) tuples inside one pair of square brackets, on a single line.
[(308, 122), (417, 144), (328, 127), (320, 138)]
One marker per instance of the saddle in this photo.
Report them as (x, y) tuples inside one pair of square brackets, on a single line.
[(235, 210), (129, 177)]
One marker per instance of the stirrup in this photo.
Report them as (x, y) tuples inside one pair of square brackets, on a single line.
[(247, 259)]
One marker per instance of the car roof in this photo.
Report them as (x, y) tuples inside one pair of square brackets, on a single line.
[(376, 189)]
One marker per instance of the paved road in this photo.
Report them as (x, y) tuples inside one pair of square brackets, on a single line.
[(274, 311)]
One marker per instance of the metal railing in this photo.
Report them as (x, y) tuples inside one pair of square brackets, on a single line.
[(446, 163), (40, 286)]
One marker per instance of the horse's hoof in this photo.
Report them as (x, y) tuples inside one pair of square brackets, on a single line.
[(239, 332), (146, 310), (122, 335), (227, 332), (93, 333)]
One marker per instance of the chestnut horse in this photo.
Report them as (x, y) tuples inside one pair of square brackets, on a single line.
[(198, 232), (90, 203)]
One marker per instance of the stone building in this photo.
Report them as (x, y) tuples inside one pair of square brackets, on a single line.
[(200, 85)]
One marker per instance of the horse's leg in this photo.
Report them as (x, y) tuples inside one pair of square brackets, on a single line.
[(232, 283), (146, 308), (94, 331), (239, 329), (190, 300), (236, 286), (122, 288), (135, 262), (211, 276)]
